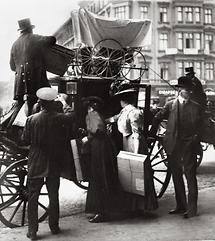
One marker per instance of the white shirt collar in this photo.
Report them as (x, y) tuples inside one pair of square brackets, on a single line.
[(182, 100)]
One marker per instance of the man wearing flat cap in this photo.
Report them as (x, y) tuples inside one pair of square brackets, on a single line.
[(180, 142), (47, 134), (27, 61)]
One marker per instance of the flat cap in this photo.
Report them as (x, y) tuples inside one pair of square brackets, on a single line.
[(46, 93)]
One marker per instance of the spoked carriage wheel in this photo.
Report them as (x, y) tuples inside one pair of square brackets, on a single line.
[(14, 196), (7, 158), (108, 57), (134, 65), (84, 61), (159, 164)]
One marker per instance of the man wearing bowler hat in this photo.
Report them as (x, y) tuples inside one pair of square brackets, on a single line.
[(27, 61), (47, 134), (180, 142)]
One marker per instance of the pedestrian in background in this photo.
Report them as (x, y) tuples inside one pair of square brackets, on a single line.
[(46, 133), (181, 142), (103, 179)]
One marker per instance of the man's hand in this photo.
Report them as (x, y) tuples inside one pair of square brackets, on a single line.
[(84, 140)]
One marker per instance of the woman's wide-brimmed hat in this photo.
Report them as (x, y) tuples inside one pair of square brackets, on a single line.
[(119, 88), (46, 93), (25, 24)]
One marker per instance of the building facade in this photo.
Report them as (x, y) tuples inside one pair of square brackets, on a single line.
[(183, 34)]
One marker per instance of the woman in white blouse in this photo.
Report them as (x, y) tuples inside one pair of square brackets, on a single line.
[(130, 124)]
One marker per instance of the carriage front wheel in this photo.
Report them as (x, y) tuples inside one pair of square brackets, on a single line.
[(159, 165), (14, 196)]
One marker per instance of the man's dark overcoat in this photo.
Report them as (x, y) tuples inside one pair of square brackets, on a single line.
[(171, 112), (47, 133), (27, 60)]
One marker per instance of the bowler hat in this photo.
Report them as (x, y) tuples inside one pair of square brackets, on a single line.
[(46, 93), (25, 24), (184, 82)]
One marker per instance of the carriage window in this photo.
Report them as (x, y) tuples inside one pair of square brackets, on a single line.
[(71, 88)]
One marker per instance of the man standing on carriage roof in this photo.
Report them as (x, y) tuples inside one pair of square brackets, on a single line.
[(181, 142), (27, 60), (47, 134)]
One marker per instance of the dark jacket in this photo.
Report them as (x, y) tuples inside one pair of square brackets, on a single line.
[(47, 134), (27, 60), (188, 131)]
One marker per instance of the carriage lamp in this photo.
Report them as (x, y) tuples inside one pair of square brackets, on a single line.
[(71, 88)]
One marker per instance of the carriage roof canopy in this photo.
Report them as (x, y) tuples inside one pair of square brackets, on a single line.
[(90, 28)]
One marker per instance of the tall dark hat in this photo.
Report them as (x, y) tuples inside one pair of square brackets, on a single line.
[(25, 24)]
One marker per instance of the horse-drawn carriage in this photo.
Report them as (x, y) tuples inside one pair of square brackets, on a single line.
[(91, 71)]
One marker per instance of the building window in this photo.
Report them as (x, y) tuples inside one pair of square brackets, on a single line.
[(197, 15), (164, 71), (208, 41), (163, 14), (188, 40), (180, 69), (143, 12), (163, 41), (121, 12), (188, 14), (198, 41), (180, 40), (209, 71), (188, 64), (180, 14), (198, 69), (208, 15)]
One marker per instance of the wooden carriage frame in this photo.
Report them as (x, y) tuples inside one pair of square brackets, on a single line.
[(13, 164)]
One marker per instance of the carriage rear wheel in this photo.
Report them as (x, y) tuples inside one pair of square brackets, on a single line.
[(134, 65), (107, 57), (14, 196), (159, 164)]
